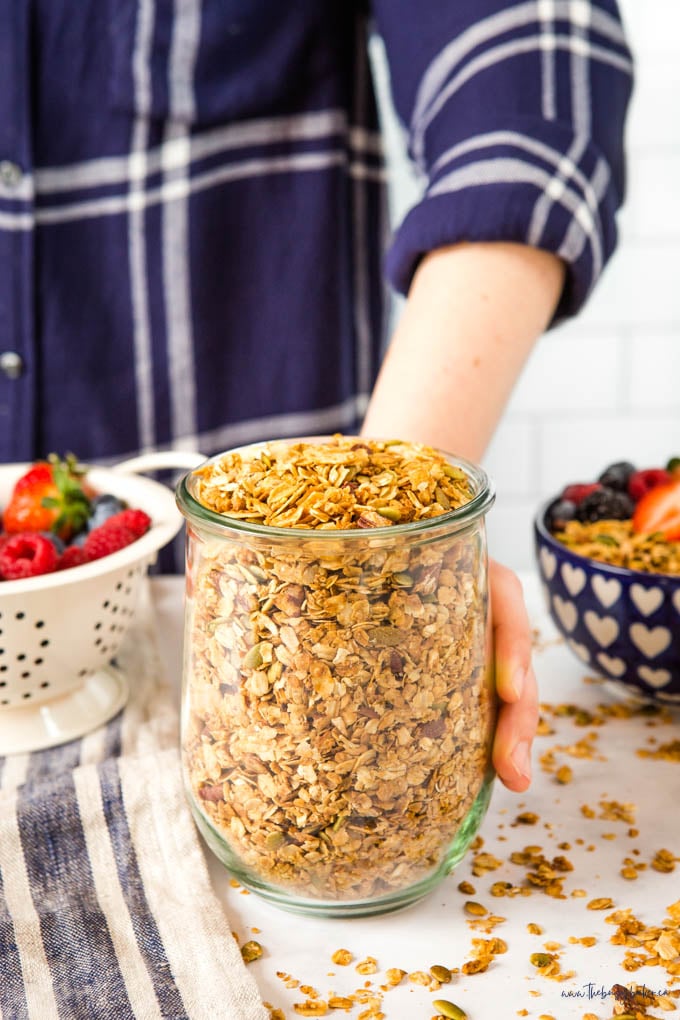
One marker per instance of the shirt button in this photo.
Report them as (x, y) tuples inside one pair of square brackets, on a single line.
[(11, 364), (10, 173)]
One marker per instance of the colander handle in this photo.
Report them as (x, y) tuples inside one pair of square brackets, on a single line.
[(160, 459)]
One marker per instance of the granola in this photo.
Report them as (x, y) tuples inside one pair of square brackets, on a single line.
[(339, 707), (615, 543)]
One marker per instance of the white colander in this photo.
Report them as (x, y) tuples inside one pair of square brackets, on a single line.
[(60, 632)]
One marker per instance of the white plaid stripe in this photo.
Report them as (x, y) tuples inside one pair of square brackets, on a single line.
[(139, 289), (546, 18), (556, 188), (176, 281), (433, 94)]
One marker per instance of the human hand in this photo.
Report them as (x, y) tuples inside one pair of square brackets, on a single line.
[(515, 679)]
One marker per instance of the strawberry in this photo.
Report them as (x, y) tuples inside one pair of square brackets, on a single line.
[(641, 482), (27, 555), (49, 497), (659, 511), (107, 539)]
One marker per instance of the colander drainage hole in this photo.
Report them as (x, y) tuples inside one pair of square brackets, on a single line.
[(20, 615)]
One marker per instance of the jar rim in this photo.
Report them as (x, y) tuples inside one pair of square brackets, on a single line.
[(453, 520)]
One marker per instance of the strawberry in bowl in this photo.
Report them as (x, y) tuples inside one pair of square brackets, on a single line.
[(608, 554), (70, 589), (55, 519)]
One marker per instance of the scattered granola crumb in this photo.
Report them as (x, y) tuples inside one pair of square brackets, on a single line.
[(367, 966), (600, 903), (311, 1007), (251, 950), (342, 957)]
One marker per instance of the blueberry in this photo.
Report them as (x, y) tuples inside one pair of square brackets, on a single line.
[(104, 506), (616, 475), (55, 540), (559, 513), (605, 505)]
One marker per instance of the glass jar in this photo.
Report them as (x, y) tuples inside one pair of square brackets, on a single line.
[(338, 703)]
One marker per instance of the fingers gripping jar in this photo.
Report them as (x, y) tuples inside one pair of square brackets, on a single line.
[(338, 704)]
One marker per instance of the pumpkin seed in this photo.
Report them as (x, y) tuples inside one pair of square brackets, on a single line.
[(392, 513), (251, 951), (441, 974), (253, 658), (449, 1009), (541, 959)]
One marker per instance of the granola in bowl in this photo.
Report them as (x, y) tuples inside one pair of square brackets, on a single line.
[(608, 554), (338, 709)]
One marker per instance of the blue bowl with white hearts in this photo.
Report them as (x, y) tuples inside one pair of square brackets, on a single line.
[(623, 624)]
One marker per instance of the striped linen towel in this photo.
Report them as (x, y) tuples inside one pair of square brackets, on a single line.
[(106, 908)]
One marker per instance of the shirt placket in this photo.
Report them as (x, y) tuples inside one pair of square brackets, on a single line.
[(18, 362)]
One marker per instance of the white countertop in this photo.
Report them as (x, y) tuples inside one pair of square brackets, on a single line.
[(438, 931)]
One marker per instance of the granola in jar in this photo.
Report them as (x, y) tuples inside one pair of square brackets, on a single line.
[(337, 705)]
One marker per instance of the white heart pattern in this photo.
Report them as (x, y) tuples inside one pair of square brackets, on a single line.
[(611, 664), (574, 578), (674, 699), (676, 600), (607, 591), (654, 677), (647, 600), (604, 629), (650, 640), (548, 562), (580, 650), (566, 612)]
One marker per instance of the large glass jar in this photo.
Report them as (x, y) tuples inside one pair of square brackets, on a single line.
[(338, 703)]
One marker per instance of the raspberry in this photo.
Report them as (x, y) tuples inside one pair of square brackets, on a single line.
[(107, 539), (27, 555), (72, 556), (642, 481), (577, 492), (136, 521)]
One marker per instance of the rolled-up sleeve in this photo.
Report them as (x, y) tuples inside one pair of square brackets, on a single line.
[(515, 116)]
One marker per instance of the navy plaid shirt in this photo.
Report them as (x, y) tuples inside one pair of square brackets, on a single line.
[(192, 215)]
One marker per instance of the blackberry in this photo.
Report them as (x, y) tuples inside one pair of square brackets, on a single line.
[(559, 512), (616, 476), (605, 505)]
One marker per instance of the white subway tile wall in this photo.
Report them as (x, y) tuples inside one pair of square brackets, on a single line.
[(606, 386)]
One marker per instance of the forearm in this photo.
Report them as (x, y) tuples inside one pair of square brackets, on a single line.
[(473, 315)]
